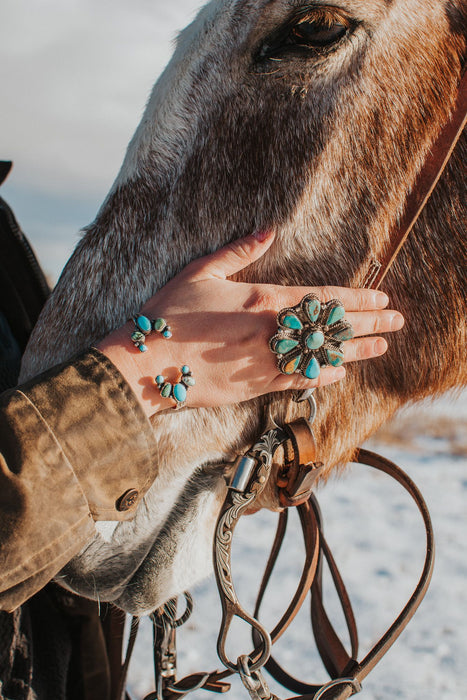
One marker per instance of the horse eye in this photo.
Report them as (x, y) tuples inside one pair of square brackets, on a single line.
[(317, 34), (310, 33)]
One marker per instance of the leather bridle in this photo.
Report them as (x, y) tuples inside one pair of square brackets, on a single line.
[(428, 177), (295, 483)]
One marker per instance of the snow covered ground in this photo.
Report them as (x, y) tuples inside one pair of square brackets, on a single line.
[(377, 538)]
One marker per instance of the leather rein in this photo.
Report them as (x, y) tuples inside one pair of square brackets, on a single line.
[(295, 483)]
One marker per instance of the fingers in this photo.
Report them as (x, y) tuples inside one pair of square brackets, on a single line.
[(352, 299), (364, 349), (231, 258), (285, 382), (383, 321), (354, 350)]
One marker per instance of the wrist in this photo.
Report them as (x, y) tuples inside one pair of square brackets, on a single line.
[(137, 368)]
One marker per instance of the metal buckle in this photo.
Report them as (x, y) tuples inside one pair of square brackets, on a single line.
[(356, 686)]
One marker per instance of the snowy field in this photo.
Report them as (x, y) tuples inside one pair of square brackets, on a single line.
[(377, 537)]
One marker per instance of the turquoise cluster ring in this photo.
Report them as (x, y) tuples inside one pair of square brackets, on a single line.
[(144, 326), (309, 336), (178, 391)]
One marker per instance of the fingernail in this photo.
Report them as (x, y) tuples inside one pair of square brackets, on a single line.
[(262, 235), (339, 373), (381, 300), (397, 322), (380, 347)]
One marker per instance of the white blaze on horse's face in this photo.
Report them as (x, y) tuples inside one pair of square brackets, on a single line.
[(170, 121), (309, 117), (205, 66)]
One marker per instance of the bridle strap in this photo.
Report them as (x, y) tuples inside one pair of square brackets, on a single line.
[(331, 649), (345, 671), (361, 670), (338, 662), (311, 540), (425, 183)]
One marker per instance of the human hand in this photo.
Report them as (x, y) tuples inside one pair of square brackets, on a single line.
[(221, 330)]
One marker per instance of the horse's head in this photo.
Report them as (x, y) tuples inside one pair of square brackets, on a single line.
[(313, 118)]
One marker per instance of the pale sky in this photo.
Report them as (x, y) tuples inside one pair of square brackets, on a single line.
[(75, 76)]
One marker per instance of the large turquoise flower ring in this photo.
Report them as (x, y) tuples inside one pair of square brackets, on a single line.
[(309, 336)]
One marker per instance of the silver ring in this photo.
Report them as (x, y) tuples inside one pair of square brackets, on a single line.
[(334, 684), (309, 336)]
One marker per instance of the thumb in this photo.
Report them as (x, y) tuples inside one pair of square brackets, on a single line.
[(231, 258)]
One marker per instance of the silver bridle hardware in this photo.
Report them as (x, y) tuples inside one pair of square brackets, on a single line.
[(244, 467), (356, 686)]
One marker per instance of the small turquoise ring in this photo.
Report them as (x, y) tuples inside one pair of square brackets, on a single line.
[(178, 391), (310, 336)]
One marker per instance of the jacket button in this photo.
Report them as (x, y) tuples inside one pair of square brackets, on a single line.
[(128, 500)]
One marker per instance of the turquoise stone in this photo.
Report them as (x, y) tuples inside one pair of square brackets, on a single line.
[(144, 324), (312, 369), (291, 321), (179, 393), (290, 366), (185, 369), (344, 334), (166, 390), (167, 334), (335, 357), (336, 314), (313, 309), (285, 345), (315, 340), (159, 324), (188, 380), (138, 337), (159, 379), (143, 347)]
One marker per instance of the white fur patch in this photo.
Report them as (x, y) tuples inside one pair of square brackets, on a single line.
[(106, 529)]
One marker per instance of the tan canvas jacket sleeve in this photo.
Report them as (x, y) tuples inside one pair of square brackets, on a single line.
[(75, 447)]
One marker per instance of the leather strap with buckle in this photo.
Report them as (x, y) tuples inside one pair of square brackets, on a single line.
[(298, 476)]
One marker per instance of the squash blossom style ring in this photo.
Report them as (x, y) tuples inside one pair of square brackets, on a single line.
[(177, 392), (143, 327), (309, 336)]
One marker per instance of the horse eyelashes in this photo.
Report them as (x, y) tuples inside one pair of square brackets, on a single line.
[(317, 31)]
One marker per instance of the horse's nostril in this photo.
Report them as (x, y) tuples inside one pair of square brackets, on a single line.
[(127, 500)]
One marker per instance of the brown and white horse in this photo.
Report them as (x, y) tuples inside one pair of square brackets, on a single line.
[(312, 117)]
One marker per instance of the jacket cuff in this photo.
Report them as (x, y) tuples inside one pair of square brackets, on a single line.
[(102, 430)]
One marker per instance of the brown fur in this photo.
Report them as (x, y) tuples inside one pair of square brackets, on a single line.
[(323, 149)]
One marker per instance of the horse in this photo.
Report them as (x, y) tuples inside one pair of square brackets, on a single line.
[(313, 119)]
